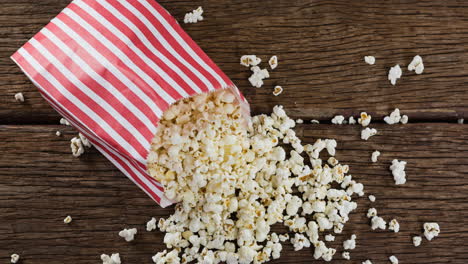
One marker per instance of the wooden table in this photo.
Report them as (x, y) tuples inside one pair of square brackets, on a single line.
[(320, 45)]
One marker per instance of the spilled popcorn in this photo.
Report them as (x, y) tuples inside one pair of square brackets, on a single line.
[(416, 65), (151, 225), (365, 119), (375, 155), (273, 62), (194, 16), (394, 74), (417, 241), (114, 259), (67, 220), (369, 60), (395, 118), (14, 258), (393, 259), (19, 97), (398, 171), (234, 183), (338, 120), (367, 262), (128, 234), (277, 90), (368, 132), (431, 230), (250, 60), (371, 198), (258, 75), (350, 243), (394, 225), (65, 122), (346, 255), (78, 144)]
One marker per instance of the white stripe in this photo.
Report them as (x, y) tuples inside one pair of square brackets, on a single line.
[(110, 66), (50, 78), (182, 42), (103, 82), (158, 36), (135, 30), (122, 56), (96, 98)]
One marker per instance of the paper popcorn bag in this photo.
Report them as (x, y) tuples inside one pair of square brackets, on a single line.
[(112, 67)]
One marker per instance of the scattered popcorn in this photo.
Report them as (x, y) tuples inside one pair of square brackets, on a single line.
[(417, 241), (299, 121), (299, 242), (128, 234), (365, 119), (346, 255), (371, 212), (15, 258), (277, 90), (338, 120), (234, 183), (393, 259), (329, 238), (258, 75), (314, 121), (84, 140), (368, 132), (431, 230), (19, 97), (350, 243), (393, 118), (394, 225), (65, 122), (461, 121), (58, 133), (67, 220), (398, 171), (375, 156), (378, 223), (372, 198), (151, 225), (416, 65), (369, 60), (404, 119), (351, 120), (273, 62), (250, 60), (367, 262), (76, 146), (394, 74), (194, 16), (114, 259)]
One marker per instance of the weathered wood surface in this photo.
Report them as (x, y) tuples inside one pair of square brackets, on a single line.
[(320, 45), (41, 183)]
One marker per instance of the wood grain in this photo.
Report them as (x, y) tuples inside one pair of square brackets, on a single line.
[(42, 183), (320, 45)]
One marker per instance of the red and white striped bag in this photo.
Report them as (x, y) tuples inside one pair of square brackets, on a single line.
[(111, 68)]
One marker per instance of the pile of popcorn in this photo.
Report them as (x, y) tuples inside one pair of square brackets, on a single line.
[(233, 182)]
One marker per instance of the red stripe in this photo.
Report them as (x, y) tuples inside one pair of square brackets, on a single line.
[(93, 85), (109, 55), (171, 20), (155, 41), (174, 43), (129, 33)]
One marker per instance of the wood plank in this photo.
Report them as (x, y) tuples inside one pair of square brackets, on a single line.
[(320, 45), (42, 183)]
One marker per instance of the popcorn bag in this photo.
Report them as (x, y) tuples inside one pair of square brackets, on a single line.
[(112, 68)]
